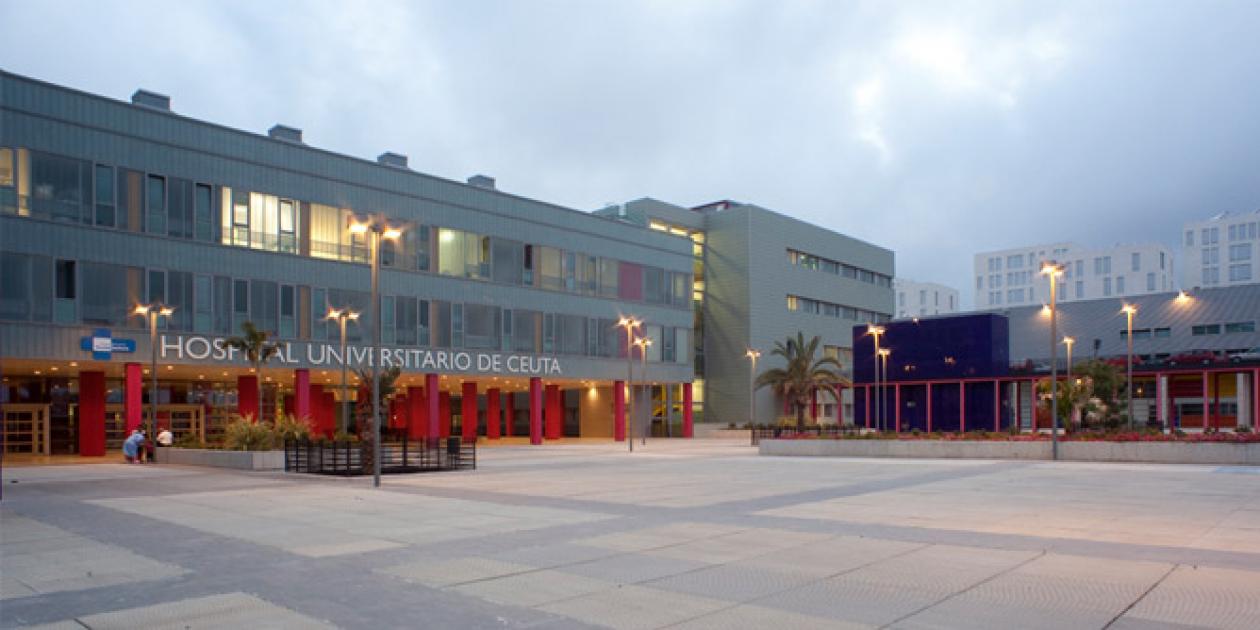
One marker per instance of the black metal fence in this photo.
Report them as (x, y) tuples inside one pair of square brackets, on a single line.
[(819, 430), (348, 458)]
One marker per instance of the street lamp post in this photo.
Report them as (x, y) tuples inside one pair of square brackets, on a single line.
[(883, 367), (1129, 311), (629, 324), (152, 312), (752, 355), (1069, 342), (378, 228), (876, 331), (342, 316), (1053, 270), (643, 343)]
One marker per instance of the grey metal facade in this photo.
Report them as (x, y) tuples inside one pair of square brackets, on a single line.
[(50, 119), (748, 277)]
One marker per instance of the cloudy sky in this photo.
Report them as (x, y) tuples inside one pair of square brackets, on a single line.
[(935, 129)]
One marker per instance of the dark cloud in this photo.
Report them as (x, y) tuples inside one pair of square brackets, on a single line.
[(937, 130)]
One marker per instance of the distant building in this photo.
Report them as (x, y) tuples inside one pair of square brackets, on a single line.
[(1011, 277), (1220, 251), (921, 299)]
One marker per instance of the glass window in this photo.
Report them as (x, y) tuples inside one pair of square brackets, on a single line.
[(179, 294), (105, 195), (110, 292), (1150, 281), (1137, 261), (422, 336), (630, 281), (262, 305), (155, 204), (203, 213), (654, 288), (157, 287), (1240, 327), (287, 235), (326, 232), (481, 326), (608, 275), (1119, 285), (441, 321), (203, 304), (588, 274), (1240, 252), (508, 257), (570, 334), (222, 305), (550, 268), (1163, 333), (405, 320), (388, 311), (179, 208), (526, 330), (457, 325), (1240, 272), (240, 304), (15, 286), (288, 311), (60, 187)]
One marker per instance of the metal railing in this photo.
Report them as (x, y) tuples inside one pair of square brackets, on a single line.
[(353, 458), (817, 430)]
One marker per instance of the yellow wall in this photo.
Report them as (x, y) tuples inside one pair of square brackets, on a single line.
[(595, 412)]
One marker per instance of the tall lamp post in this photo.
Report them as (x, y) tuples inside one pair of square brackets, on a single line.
[(1054, 270), (629, 324), (752, 355), (377, 228), (342, 316), (876, 331), (1129, 311), (152, 312), (882, 366), (643, 343)]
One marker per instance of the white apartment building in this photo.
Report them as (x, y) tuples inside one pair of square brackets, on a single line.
[(920, 299), (1221, 251), (1011, 277)]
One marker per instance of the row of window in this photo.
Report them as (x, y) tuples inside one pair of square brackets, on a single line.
[(38, 288), (798, 304), (936, 298), (1237, 232), (1215, 329), (1238, 272), (818, 263), (43, 185)]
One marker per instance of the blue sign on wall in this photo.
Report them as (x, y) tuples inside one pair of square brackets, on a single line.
[(101, 345)]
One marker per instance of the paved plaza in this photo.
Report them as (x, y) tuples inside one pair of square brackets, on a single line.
[(679, 534)]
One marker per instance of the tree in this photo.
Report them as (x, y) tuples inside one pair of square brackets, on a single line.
[(363, 406), (802, 374), (257, 350)]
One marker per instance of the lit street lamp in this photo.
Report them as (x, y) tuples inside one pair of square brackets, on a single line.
[(1054, 270), (342, 316), (876, 331), (643, 343), (1129, 311), (152, 312), (752, 355), (378, 228), (629, 323)]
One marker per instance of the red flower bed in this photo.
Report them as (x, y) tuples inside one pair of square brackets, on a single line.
[(1215, 437)]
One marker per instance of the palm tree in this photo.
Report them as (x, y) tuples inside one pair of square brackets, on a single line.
[(257, 350), (802, 374), (388, 388)]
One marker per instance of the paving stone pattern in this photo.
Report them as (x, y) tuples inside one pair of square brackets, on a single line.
[(681, 534)]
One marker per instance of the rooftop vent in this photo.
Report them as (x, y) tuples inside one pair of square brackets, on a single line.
[(396, 160), (481, 181), (288, 134), (152, 100)]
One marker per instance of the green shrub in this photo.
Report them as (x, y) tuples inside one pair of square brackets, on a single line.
[(289, 427), (345, 436), (243, 435), (189, 440)]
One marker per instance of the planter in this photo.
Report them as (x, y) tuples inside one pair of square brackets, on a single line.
[(239, 460), (1143, 452)]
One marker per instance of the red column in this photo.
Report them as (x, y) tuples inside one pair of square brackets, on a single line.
[(929, 407), (288, 403), (554, 426), (329, 422), (469, 403), (897, 406), (997, 405), (868, 406), (619, 411), (510, 414), (1255, 400), (433, 412), (962, 407), (419, 413), (689, 429), (133, 397), (247, 396), (1017, 419), (1207, 401), (302, 393), (1216, 401), (535, 410), (444, 414), (91, 414), (492, 413)]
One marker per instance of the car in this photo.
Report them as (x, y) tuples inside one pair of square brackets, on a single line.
[(1193, 357), (1246, 355)]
